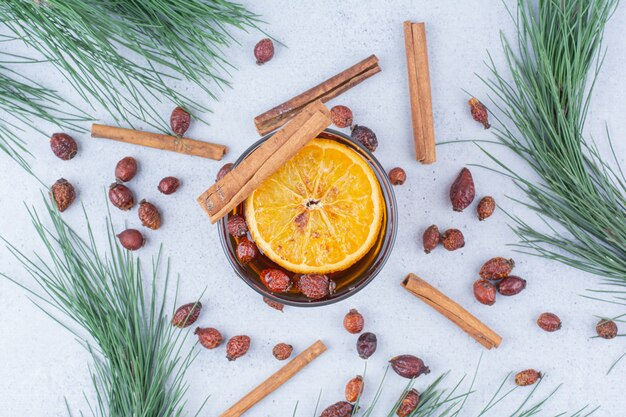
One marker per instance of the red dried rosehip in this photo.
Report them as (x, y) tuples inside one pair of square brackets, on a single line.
[(511, 285), (341, 116), (237, 346), (224, 170), (485, 292), (169, 185), (462, 191), (126, 169), (353, 322), (479, 112), (275, 280), (282, 351), (366, 345), (365, 137), (549, 322), (397, 176), (409, 366), (63, 146), (180, 120), (274, 304), (496, 268), (131, 239), (63, 194), (452, 239), (339, 409), (237, 226), (606, 329), (430, 238), (121, 196), (247, 250), (208, 337), (187, 314), (354, 388), (409, 403), (527, 377), (264, 51), (149, 215), (486, 207), (315, 286)]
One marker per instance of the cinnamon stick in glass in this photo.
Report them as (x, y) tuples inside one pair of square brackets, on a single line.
[(272, 383), (453, 311), (239, 183)]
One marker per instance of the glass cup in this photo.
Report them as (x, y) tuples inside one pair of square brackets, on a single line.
[(348, 282)]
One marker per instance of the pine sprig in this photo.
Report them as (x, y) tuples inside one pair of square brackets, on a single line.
[(125, 55), (139, 357)]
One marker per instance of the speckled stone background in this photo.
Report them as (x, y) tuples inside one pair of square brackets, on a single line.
[(41, 364)]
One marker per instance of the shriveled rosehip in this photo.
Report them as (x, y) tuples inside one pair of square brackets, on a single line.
[(341, 116), (237, 346), (169, 185), (121, 196), (339, 409), (549, 322), (282, 351), (315, 286), (511, 285), (397, 176), (224, 170), (208, 337), (149, 215), (353, 322), (247, 250), (63, 146), (354, 388), (264, 51), (131, 239), (497, 268), (180, 120), (275, 280), (409, 403), (366, 345), (63, 194), (365, 137), (462, 191), (409, 366), (485, 292), (126, 169), (606, 329), (479, 112), (274, 304), (187, 314), (430, 238), (237, 226), (527, 377), (486, 207), (452, 239)]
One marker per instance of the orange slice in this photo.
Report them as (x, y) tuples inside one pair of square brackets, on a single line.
[(319, 213)]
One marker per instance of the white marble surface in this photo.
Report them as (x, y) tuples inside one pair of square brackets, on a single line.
[(41, 363)]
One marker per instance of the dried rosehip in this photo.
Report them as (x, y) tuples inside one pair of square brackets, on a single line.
[(409, 403), (63, 194), (187, 314), (224, 170), (169, 185), (180, 120), (63, 146), (549, 322), (366, 345), (315, 286), (462, 191), (527, 377), (126, 169), (131, 239), (408, 366), (341, 116), (274, 304), (397, 176), (353, 322), (606, 329), (149, 215), (237, 226), (431, 238), (486, 207), (208, 337), (275, 280), (365, 137), (452, 239), (497, 268), (354, 388), (479, 112), (237, 346), (339, 409), (264, 51), (511, 285), (282, 351), (121, 196), (485, 292), (247, 250)]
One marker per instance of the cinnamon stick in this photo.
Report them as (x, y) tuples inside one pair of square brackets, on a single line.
[(159, 141), (419, 91), (239, 183), (453, 311), (276, 380), (329, 89)]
